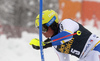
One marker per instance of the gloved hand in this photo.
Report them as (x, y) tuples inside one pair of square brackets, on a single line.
[(35, 44)]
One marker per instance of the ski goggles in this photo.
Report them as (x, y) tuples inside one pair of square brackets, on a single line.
[(44, 28)]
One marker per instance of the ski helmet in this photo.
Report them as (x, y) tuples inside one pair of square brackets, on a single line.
[(49, 18)]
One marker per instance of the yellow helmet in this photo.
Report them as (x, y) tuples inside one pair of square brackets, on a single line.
[(48, 17)]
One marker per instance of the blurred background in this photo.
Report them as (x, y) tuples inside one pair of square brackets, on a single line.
[(17, 16), (17, 28)]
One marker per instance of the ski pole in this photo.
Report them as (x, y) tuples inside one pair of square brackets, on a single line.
[(77, 33)]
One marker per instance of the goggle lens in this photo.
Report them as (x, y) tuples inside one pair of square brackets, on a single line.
[(44, 28)]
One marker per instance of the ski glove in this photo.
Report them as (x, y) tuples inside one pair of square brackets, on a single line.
[(35, 44)]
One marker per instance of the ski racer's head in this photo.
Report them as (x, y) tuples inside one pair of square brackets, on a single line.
[(49, 23)]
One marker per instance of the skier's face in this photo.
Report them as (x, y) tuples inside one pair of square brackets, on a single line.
[(49, 33)]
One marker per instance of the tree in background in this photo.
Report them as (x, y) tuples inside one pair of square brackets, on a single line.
[(20, 15)]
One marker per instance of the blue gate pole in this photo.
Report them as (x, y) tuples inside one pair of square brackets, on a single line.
[(40, 32)]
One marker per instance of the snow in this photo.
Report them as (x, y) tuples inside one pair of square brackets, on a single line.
[(18, 49)]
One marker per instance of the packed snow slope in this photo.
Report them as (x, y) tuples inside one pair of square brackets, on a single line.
[(18, 49)]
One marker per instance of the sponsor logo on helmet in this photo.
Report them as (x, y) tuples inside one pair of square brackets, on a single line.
[(51, 14), (51, 21)]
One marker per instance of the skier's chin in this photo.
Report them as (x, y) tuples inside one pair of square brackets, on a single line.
[(47, 36)]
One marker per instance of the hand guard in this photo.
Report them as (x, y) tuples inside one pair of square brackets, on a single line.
[(35, 44)]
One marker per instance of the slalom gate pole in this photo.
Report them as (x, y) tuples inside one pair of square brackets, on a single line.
[(40, 32)]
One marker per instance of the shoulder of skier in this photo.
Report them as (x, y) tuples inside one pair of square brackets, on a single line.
[(67, 27)]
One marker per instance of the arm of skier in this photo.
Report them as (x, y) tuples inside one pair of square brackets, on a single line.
[(35, 42), (57, 39)]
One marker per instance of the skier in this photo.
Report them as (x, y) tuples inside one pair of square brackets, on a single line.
[(67, 37)]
